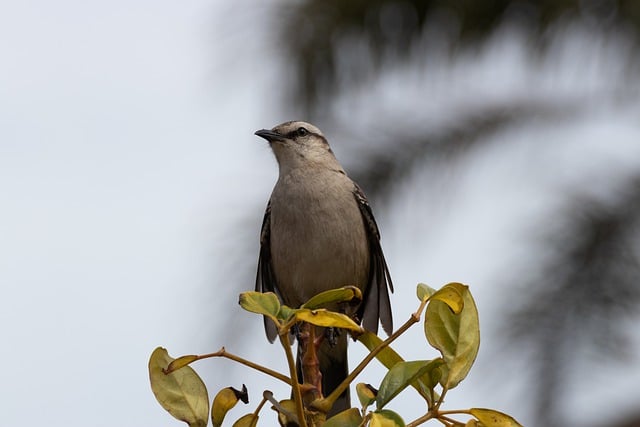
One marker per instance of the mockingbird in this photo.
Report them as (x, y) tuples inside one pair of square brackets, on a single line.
[(318, 234)]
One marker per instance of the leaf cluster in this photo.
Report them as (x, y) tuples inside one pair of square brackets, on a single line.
[(450, 325)]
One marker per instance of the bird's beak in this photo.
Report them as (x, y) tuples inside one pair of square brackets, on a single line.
[(269, 135)]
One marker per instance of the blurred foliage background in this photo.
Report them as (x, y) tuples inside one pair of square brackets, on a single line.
[(418, 85)]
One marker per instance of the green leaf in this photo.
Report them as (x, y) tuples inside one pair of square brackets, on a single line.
[(491, 418), (424, 291), (349, 418), (452, 295), (456, 336), (285, 312), (249, 420), (388, 357), (182, 393), (401, 375), (366, 394), (322, 317), (224, 401), (430, 377), (261, 303), (386, 418), (333, 296)]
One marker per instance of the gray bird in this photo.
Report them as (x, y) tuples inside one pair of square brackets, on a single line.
[(318, 234)]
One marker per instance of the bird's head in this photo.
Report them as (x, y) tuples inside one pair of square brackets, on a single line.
[(299, 144)]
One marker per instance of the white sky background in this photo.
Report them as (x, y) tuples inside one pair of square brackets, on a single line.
[(127, 158)]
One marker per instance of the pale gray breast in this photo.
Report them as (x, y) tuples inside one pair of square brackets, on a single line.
[(318, 239)]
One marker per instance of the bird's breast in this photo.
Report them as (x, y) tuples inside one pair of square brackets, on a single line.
[(318, 240)]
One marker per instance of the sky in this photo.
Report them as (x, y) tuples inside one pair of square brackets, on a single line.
[(127, 162), (117, 144)]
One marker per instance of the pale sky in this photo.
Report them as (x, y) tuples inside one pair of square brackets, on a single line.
[(127, 160)]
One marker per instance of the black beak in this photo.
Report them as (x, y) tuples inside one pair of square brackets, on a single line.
[(269, 135)]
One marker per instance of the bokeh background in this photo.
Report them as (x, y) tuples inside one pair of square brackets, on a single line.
[(498, 141)]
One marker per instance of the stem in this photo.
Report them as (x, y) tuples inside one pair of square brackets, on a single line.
[(439, 402), (426, 417), (440, 416), (223, 353), (456, 412), (451, 421), (264, 400), (413, 319), (267, 396), (309, 363), (295, 386), (433, 398)]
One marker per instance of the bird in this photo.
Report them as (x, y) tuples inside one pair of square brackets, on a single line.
[(319, 233)]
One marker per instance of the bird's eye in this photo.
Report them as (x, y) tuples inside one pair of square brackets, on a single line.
[(302, 131)]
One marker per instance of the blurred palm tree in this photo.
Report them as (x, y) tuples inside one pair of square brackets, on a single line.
[(338, 50), (314, 34)]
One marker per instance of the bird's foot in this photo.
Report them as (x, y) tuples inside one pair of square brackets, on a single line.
[(332, 334)]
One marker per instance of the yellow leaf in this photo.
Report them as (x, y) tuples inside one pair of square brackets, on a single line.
[(180, 362), (349, 418), (456, 336), (386, 418), (491, 418), (249, 420), (322, 317), (286, 412), (226, 399), (182, 393), (366, 394), (452, 295)]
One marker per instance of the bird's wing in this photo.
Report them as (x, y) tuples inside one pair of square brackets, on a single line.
[(265, 279), (376, 303)]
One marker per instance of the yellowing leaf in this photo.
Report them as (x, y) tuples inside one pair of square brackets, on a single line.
[(366, 394), (249, 420), (388, 357), (401, 375), (386, 418), (326, 318), (261, 303), (349, 418), (182, 393), (286, 412), (491, 418), (224, 401), (456, 336), (451, 294), (180, 362), (424, 291), (333, 296)]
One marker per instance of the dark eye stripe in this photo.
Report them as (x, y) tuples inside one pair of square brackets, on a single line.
[(301, 131)]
